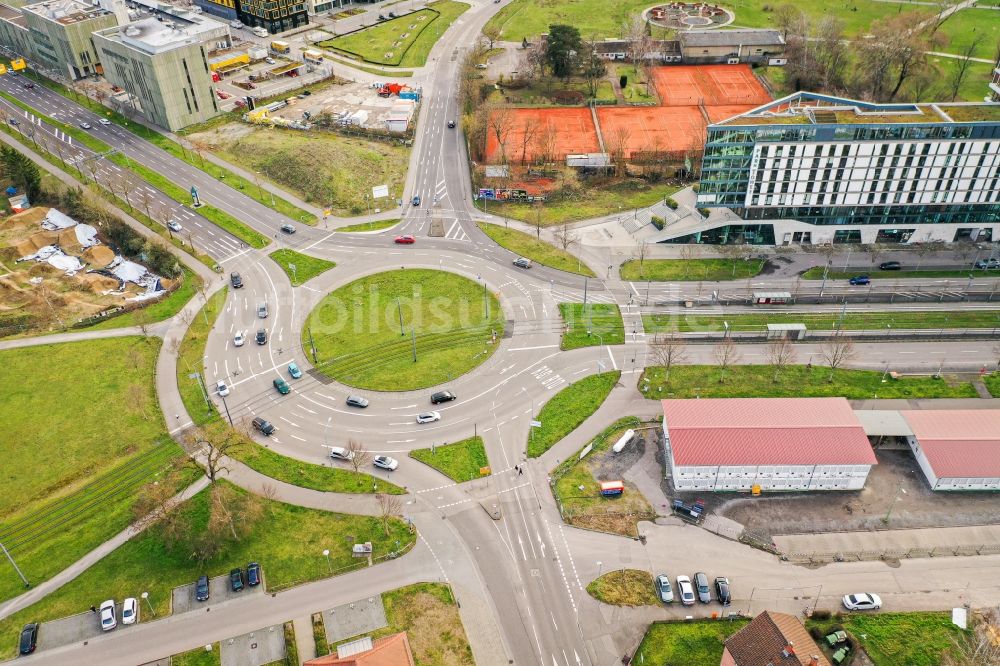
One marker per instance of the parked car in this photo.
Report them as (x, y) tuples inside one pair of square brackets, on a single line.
[(405, 240), (428, 417), (174, 225), (235, 280), (862, 601), (281, 385), (222, 388), (860, 280), (269, 60), (521, 262), (288, 229), (985, 264), (340, 453), (239, 339), (357, 401), (482, 65), (201, 591), (104, 121), (253, 574), (236, 579), (293, 370), (701, 583), (262, 311), (722, 590), (385, 462), (416, 201), (261, 337), (442, 396), (263, 425), (29, 638), (130, 611), (685, 590), (890, 266), (107, 614), (87, 127), (451, 124), (663, 589), (13, 121)]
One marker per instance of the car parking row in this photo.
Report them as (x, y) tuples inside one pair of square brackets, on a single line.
[(688, 590)]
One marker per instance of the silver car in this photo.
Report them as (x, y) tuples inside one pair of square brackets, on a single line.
[(701, 583), (685, 590), (663, 589), (428, 417)]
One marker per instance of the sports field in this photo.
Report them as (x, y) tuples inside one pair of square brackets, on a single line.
[(553, 131), (711, 85)]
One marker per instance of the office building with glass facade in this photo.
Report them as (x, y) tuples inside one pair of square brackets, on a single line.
[(815, 169)]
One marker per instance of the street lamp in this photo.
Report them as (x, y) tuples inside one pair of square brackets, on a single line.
[(599, 336), (600, 568), (145, 597), (326, 554), (893, 504)]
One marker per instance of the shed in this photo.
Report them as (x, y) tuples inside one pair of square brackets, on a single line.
[(956, 449), (788, 331), (771, 297)]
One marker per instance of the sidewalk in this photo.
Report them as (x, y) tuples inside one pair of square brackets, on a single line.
[(890, 540)]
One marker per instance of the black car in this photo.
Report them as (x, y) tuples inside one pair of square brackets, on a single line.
[(29, 638), (442, 396), (201, 589), (253, 574), (890, 266), (261, 337), (236, 280), (263, 425), (288, 229), (236, 579), (451, 124), (722, 590), (29, 86)]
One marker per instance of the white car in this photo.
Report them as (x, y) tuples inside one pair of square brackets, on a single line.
[(340, 453), (104, 121), (428, 417), (130, 611), (239, 339), (686, 590), (222, 388), (862, 601), (174, 225), (108, 620), (385, 462)]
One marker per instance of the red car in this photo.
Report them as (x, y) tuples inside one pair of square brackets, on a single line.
[(406, 240)]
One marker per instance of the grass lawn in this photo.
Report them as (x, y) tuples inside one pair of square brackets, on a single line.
[(914, 639), (377, 71), (460, 461), (287, 541), (198, 657), (321, 168), (159, 310), (686, 643), (824, 321), (968, 24), (976, 79), (568, 409), (797, 381), (587, 508), (539, 251), (191, 359), (679, 270), (544, 91), (992, 382), (618, 197), (816, 273), (377, 225), (590, 325), (306, 267), (404, 41), (427, 612), (635, 90), (624, 587), (357, 334)]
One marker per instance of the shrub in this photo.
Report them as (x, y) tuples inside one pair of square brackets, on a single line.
[(816, 632), (657, 221), (821, 614), (703, 212), (671, 203), (696, 187)]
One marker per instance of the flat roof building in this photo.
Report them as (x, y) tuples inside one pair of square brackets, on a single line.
[(272, 15), (163, 65), (59, 33), (736, 444), (14, 33), (813, 168), (956, 449), (995, 83), (732, 46)]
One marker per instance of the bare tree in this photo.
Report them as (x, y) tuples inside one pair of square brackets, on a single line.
[(725, 355), (531, 64), (146, 198), (238, 511), (210, 452), (977, 647), (358, 455), (786, 19), (565, 236), (962, 66), (666, 351), (492, 33), (547, 143), (154, 505), (924, 249), (832, 53), (836, 352), (500, 123), (529, 132), (617, 144), (143, 320), (734, 253), (136, 398), (780, 354), (389, 507), (874, 251)]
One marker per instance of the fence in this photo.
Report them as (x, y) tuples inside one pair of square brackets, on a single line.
[(862, 335), (890, 554)]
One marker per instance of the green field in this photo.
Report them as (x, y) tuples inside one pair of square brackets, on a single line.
[(404, 41), (992, 382), (590, 325), (816, 273), (689, 643), (446, 318), (968, 24), (624, 587), (537, 250), (198, 657), (796, 381), (377, 225), (828, 321), (635, 91), (190, 359), (461, 461), (680, 270), (288, 542), (914, 639), (306, 267), (568, 408)]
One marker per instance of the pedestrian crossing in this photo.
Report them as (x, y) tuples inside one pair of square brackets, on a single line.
[(455, 231), (548, 377)]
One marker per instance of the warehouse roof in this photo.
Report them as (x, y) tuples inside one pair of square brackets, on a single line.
[(730, 38), (958, 443), (765, 431)]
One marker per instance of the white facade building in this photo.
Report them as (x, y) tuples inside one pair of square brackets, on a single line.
[(770, 443), (956, 449)]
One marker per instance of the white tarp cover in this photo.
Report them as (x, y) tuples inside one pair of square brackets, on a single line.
[(41, 254), (129, 271), (55, 220), (86, 235), (55, 257)]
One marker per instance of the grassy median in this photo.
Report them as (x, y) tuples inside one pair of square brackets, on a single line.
[(624, 587), (824, 321), (535, 249), (591, 324), (461, 461), (568, 409), (681, 270), (305, 267)]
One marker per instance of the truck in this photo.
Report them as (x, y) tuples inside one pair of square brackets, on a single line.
[(279, 46), (390, 89), (312, 55), (257, 53)]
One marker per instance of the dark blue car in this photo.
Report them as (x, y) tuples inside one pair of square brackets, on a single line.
[(860, 280)]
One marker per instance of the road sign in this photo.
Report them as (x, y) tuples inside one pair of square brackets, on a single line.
[(380, 191), (536, 424)]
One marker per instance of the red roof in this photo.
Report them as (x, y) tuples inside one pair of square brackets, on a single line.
[(766, 431), (389, 651), (963, 443)]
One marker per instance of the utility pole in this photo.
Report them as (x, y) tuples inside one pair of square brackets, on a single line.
[(14, 564), (312, 345), (399, 309), (227, 410), (413, 339), (204, 392), (584, 291)]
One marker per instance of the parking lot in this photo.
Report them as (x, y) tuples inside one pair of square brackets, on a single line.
[(219, 591), (264, 646), (76, 629), (354, 619)]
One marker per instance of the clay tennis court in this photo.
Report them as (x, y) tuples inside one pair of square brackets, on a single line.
[(568, 130), (711, 85), (656, 129)]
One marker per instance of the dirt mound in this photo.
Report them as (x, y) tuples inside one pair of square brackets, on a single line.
[(35, 241), (98, 256), (98, 283), (30, 217), (69, 243)]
